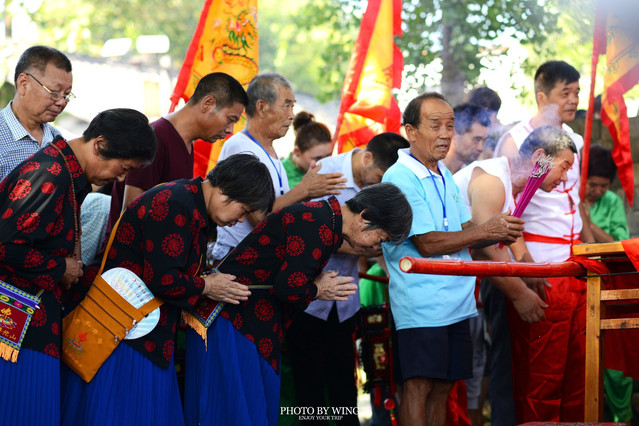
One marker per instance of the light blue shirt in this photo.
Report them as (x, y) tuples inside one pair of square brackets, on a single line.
[(94, 215), (346, 264), (421, 300), (16, 144)]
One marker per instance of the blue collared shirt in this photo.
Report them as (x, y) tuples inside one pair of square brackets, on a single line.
[(422, 300), (16, 144)]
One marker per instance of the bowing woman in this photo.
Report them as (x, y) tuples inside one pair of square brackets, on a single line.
[(40, 246), (233, 378), (162, 238)]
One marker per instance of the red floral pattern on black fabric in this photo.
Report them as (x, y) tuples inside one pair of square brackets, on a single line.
[(289, 246), (20, 190), (326, 235), (7, 213), (317, 254), (165, 253), (34, 259), (125, 234), (264, 310), (247, 256), (265, 346), (55, 169), (29, 167), (297, 279), (173, 245), (52, 349), (28, 222), (262, 275), (47, 188), (294, 245), (180, 220)]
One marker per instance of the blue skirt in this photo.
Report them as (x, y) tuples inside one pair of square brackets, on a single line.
[(230, 383), (127, 390), (30, 390)]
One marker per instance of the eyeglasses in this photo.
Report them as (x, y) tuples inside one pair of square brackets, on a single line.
[(55, 96)]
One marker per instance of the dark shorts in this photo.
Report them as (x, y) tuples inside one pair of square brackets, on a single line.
[(444, 353)]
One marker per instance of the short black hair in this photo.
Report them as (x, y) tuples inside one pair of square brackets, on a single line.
[(226, 90), (551, 139), (485, 97), (552, 72), (412, 114), (384, 149), (264, 87), (308, 132), (245, 179), (600, 162), (468, 114), (38, 57), (127, 132), (385, 207)]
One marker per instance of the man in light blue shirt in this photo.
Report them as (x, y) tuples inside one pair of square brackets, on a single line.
[(43, 83), (431, 312), (320, 340)]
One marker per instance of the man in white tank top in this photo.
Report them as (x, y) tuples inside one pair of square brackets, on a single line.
[(553, 223)]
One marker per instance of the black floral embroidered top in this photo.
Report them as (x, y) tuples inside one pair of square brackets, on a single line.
[(162, 238), (37, 232), (287, 250)]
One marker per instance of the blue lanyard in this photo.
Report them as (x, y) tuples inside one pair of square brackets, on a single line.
[(437, 189), (279, 174)]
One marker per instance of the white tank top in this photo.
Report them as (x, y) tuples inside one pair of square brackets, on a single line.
[(497, 167)]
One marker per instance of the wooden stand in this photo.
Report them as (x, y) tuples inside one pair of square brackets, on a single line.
[(596, 321)]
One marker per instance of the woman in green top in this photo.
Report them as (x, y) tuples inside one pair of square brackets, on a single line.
[(312, 143), (606, 209)]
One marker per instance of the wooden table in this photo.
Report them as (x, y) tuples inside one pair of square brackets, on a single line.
[(596, 322)]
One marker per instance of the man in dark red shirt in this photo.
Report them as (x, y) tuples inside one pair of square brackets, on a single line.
[(217, 103), (233, 377)]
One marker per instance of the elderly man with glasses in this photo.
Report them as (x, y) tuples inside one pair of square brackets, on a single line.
[(43, 83)]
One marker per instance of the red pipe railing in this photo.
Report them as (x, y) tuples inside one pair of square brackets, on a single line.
[(490, 268)]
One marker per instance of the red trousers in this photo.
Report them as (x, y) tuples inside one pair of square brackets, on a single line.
[(549, 357)]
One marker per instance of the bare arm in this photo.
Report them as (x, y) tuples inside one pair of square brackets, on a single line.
[(501, 227), (313, 185), (130, 192), (487, 196), (521, 254)]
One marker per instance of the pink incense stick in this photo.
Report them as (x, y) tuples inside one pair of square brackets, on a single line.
[(537, 176)]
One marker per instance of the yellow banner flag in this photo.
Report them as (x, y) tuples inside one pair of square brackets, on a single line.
[(368, 107), (225, 40)]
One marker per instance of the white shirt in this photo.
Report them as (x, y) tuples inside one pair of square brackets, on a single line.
[(497, 167), (230, 236), (555, 213)]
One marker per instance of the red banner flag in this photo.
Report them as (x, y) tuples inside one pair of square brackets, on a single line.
[(617, 35), (225, 40), (368, 106)]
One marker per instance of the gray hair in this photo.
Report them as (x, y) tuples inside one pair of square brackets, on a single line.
[(551, 139), (265, 87)]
